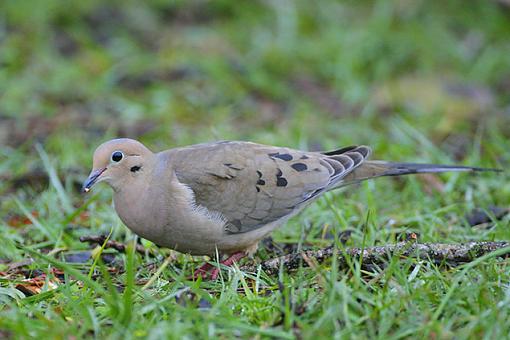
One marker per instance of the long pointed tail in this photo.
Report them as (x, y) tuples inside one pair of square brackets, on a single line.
[(372, 169)]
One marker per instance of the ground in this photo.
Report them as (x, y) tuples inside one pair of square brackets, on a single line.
[(418, 81)]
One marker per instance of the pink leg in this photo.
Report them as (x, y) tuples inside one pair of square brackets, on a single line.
[(228, 262), (202, 271)]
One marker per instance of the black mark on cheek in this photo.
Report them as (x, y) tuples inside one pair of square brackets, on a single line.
[(135, 168), (261, 182)]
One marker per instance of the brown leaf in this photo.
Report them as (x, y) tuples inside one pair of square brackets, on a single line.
[(35, 285), (18, 221)]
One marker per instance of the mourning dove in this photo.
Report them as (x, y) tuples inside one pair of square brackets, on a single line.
[(226, 196)]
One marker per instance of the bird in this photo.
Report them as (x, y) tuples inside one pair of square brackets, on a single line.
[(224, 197)]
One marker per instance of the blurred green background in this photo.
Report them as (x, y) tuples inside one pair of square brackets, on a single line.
[(417, 80), (294, 72)]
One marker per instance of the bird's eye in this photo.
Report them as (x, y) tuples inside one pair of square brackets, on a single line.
[(117, 156)]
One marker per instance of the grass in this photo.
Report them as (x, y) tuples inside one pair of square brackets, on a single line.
[(418, 81)]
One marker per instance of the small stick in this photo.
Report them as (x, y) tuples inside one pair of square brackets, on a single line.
[(437, 252)]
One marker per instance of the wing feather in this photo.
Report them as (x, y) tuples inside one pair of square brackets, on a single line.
[(252, 185)]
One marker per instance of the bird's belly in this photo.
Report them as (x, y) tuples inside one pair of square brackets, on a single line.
[(193, 231), (185, 230), (190, 239), (196, 239)]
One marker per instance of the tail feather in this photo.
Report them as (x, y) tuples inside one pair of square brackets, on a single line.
[(373, 169), (396, 169)]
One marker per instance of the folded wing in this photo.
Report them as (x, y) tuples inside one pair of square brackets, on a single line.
[(252, 185)]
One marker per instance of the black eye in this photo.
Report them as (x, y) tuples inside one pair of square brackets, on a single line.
[(117, 156)]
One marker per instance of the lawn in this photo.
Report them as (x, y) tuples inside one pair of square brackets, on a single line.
[(418, 81)]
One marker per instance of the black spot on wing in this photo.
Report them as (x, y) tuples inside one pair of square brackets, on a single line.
[(283, 156), (281, 182), (299, 167), (260, 180)]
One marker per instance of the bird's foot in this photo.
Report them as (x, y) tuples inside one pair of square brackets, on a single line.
[(202, 271), (214, 271), (228, 262)]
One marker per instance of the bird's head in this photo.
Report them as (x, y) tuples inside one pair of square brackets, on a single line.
[(117, 162)]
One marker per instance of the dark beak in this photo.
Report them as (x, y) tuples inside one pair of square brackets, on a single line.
[(94, 175)]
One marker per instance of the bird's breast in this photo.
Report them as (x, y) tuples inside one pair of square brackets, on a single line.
[(168, 216)]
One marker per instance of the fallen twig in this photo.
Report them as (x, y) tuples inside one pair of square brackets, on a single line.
[(111, 244), (437, 252)]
